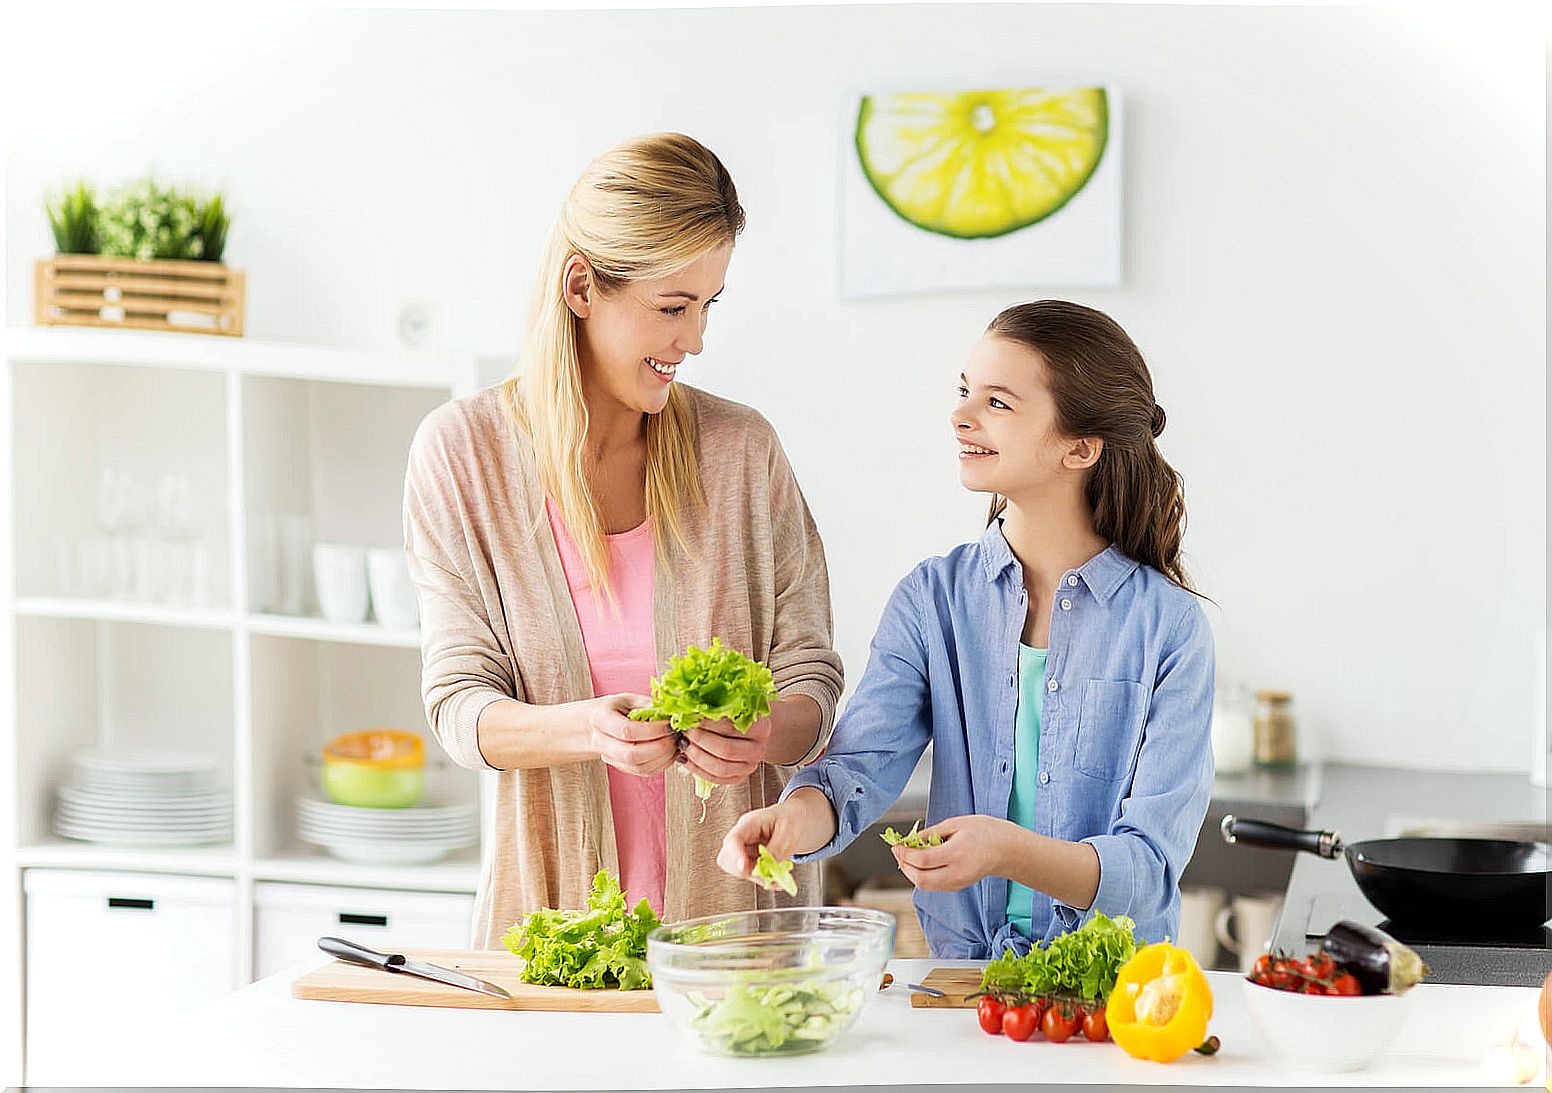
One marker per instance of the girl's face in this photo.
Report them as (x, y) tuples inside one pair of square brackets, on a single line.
[(631, 341), (1006, 425)]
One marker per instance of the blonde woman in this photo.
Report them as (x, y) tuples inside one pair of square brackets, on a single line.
[(571, 529)]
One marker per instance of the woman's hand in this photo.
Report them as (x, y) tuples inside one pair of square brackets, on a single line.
[(801, 824), (973, 847), (636, 747), (719, 753)]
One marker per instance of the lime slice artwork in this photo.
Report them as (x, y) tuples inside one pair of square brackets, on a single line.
[(981, 164)]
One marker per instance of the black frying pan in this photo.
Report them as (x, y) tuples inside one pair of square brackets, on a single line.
[(1475, 885)]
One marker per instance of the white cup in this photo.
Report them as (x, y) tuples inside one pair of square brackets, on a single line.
[(393, 593), (339, 576), (1199, 908), (1254, 918)]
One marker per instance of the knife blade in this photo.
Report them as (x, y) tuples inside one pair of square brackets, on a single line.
[(396, 962)]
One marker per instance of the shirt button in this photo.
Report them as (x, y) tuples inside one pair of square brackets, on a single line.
[(1050, 685), (1066, 605), (1045, 776), (1072, 579)]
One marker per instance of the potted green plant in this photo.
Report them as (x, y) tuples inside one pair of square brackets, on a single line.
[(147, 256)]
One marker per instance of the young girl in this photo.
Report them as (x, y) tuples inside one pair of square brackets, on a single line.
[(571, 529), (1060, 665)]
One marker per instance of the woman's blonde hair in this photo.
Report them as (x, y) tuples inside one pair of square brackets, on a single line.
[(643, 210)]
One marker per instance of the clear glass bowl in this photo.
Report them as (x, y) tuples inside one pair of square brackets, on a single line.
[(776, 982)]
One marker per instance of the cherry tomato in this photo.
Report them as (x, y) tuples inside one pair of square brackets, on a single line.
[(1039, 1005), (1059, 1023), (1095, 1027), (1262, 966), (1019, 1022), (1321, 966), (1346, 983), (989, 1012)]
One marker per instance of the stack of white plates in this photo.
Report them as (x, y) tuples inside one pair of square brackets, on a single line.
[(144, 797), (387, 836)]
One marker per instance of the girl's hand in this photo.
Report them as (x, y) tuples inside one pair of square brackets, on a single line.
[(636, 747), (973, 847), (801, 824), (719, 753)]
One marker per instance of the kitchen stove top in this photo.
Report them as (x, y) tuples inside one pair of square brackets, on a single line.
[(1518, 960)]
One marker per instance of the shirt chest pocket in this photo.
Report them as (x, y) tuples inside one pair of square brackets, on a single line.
[(1110, 728)]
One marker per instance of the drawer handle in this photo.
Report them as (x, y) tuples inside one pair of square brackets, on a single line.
[(348, 919), (122, 902)]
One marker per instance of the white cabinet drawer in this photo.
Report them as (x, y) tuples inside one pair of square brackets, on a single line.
[(120, 951), (288, 920)]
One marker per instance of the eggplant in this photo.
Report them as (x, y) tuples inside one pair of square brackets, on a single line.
[(1380, 963)]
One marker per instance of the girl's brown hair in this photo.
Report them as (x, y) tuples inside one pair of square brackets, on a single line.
[(1102, 388)]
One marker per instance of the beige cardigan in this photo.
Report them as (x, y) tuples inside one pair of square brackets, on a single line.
[(497, 622)]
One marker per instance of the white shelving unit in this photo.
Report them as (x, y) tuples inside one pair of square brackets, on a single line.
[(256, 430)]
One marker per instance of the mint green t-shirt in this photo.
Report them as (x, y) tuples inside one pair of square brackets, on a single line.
[(1026, 769)]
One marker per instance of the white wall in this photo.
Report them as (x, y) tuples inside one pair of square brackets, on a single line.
[(1334, 259)]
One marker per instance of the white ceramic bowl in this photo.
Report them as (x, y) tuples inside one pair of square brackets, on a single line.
[(1325, 1032)]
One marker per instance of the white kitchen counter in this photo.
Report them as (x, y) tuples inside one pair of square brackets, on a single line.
[(261, 1036)]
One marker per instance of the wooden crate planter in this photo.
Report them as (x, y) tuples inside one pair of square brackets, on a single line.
[(90, 290)]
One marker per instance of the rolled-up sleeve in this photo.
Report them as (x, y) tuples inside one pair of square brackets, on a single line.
[(463, 668), (1143, 854), (884, 730), (802, 658)]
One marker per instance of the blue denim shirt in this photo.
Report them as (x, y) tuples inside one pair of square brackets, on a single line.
[(1125, 753)]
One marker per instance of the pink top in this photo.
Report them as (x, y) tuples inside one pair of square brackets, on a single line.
[(622, 656)]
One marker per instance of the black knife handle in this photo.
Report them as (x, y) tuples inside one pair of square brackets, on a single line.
[(1270, 836), (360, 954)]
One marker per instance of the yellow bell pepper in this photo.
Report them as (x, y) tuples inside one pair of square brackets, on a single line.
[(1160, 1005)]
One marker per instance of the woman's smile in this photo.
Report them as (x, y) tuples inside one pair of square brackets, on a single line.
[(663, 370)]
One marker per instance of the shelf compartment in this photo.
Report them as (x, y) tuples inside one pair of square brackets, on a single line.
[(305, 693), (84, 683), (324, 463), (159, 537)]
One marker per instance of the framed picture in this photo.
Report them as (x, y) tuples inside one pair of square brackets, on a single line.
[(944, 191)]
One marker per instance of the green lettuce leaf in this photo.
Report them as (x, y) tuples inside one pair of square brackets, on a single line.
[(601, 947), (916, 840), (1081, 963), (770, 873), (707, 685)]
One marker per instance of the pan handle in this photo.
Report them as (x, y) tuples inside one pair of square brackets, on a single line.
[(1270, 836)]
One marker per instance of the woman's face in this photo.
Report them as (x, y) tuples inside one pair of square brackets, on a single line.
[(632, 340), (1006, 424)]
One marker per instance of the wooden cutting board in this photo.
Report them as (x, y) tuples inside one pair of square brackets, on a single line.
[(955, 983), (342, 982)]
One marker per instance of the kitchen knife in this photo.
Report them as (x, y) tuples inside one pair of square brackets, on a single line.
[(397, 962)]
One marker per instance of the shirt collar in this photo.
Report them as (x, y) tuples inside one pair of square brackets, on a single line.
[(996, 555), (1106, 572), (1103, 574)]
